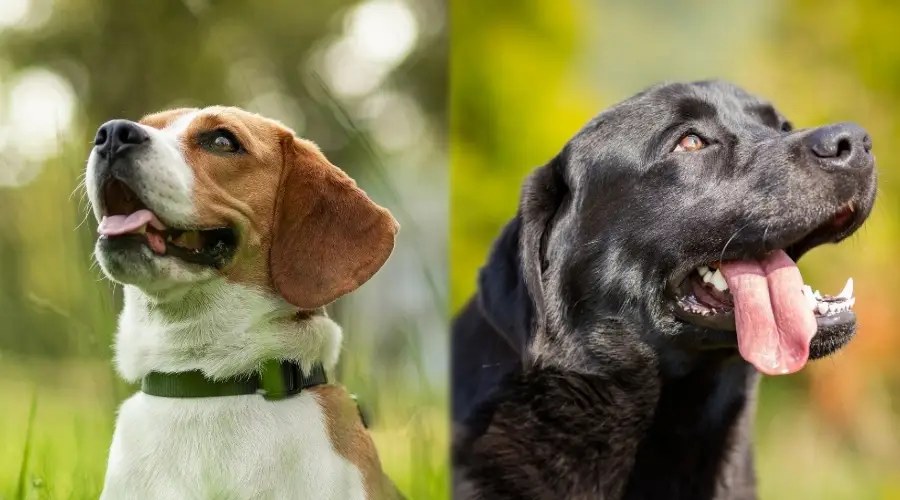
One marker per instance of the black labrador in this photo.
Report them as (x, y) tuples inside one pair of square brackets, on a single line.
[(624, 315)]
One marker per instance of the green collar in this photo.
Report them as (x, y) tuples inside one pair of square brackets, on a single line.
[(276, 380)]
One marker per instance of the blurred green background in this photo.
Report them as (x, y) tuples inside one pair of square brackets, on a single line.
[(526, 75), (366, 80)]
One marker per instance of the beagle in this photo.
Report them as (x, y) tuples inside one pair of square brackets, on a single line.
[(229, 235)]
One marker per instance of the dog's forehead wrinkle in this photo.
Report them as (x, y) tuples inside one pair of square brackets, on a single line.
[(736, 108)]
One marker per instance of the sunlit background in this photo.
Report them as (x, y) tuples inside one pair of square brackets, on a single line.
[(365, 80), (525, 76)]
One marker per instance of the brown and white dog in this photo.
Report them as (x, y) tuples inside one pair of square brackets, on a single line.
[(229, 235)]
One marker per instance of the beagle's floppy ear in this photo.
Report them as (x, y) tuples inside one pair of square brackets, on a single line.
[(328, 237)]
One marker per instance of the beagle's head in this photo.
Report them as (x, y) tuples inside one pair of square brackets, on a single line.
[(190, 195)]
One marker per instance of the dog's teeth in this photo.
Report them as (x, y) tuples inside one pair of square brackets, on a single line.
[(851, 302), (817, 295), (810, 298), (847, 292), (718, 281), (702, 270), (823, 308)]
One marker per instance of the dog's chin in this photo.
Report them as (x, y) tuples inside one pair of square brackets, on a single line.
[(129, 261), (718, 332)]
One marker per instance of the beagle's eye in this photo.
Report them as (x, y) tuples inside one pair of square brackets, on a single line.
[(690, 142), (787, 127), (221, 141)]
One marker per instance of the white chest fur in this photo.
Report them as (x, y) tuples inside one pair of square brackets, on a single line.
[(229, 448), (237, 447)]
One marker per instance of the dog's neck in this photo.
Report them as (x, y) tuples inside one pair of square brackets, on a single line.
[(703, 401), (708, 409), (221, 328), (711, 378)]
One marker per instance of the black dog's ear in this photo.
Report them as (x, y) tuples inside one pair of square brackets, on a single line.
[(502, 295), (511, 291)]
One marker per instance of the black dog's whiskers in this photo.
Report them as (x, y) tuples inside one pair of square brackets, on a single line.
[(733, 236)]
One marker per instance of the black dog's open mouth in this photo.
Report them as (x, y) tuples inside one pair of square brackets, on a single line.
[(704, 299), (765, 301), (126, 217)]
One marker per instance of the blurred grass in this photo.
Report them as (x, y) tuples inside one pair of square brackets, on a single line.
[(65, 441)]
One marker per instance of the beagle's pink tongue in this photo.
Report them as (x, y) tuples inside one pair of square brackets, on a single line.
[(774, 324), (117, 225)]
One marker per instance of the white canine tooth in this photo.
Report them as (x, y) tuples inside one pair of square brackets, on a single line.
[(823, 308), (718, 281), (702, 270), (847, 292), (810, 298), (816, 294), (851, 302), (707, 277)]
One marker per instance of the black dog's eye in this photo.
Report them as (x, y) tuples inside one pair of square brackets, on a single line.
[(221, 141), (787, 127), (690, 142)]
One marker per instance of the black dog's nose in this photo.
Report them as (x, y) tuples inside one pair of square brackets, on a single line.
[(842, 145), (116, 136)]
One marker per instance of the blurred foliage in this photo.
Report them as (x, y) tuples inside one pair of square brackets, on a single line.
[(525, 78), (278, 58)]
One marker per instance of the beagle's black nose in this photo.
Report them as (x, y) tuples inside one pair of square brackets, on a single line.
[(115, 137), (842, 145)]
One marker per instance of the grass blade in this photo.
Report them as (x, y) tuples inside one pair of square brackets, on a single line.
[(26, 452)]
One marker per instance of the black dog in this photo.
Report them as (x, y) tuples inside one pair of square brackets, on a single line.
[(614, 346)]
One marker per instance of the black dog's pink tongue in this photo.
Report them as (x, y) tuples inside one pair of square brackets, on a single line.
[(774, 323)]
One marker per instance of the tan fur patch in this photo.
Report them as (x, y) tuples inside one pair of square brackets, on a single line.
[(162, 119), (352, 441)]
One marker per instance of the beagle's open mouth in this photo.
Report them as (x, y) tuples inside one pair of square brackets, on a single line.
[(126, 217)]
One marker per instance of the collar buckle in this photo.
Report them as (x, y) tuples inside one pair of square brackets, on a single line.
[(279, 380)]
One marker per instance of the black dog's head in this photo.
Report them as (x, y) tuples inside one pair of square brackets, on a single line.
[(679, 214)]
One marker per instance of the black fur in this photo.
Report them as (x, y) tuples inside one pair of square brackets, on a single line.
[(572, 378)]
